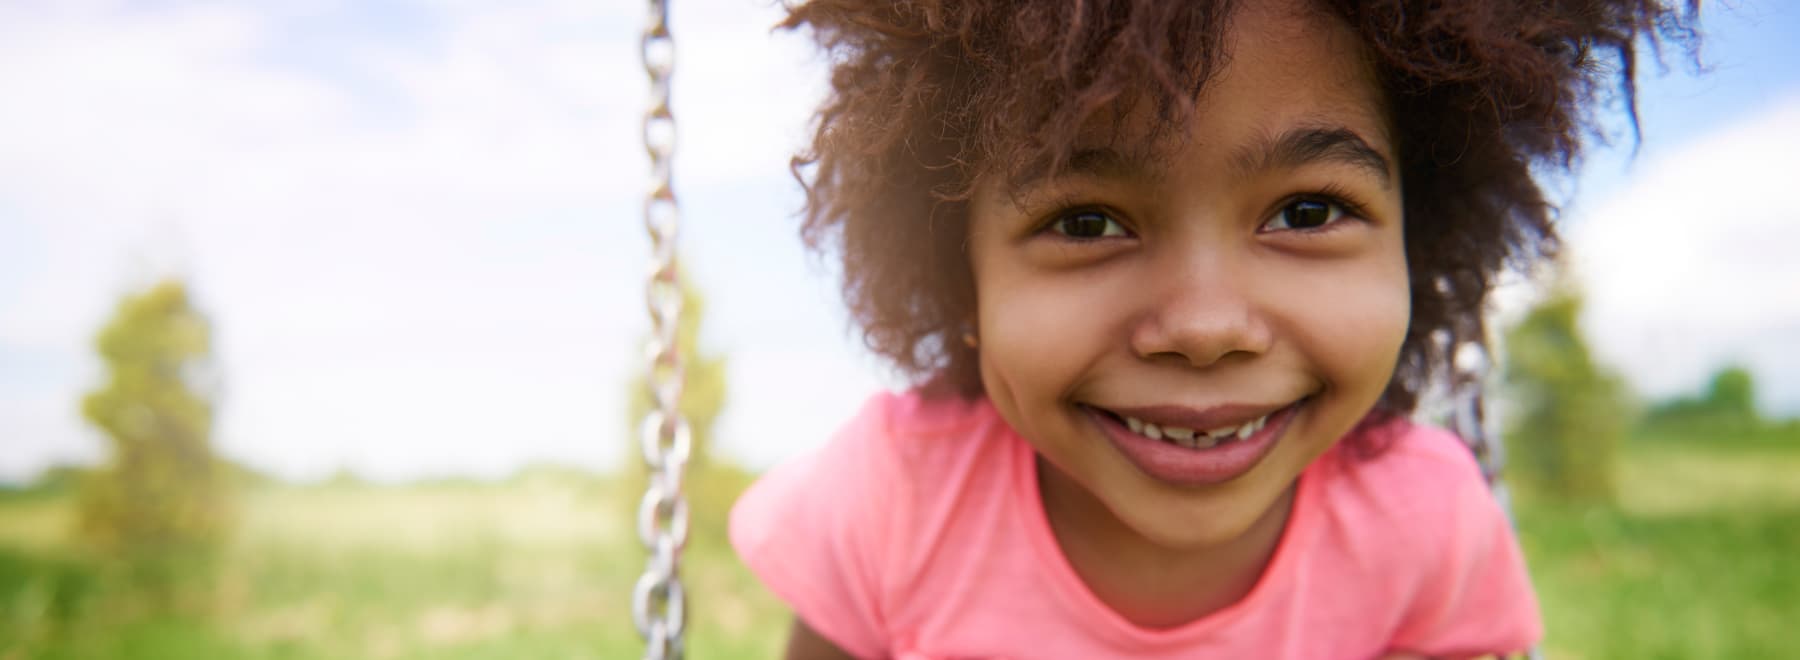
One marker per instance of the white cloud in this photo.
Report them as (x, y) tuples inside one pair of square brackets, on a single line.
[(428, 264), (1691, 264)]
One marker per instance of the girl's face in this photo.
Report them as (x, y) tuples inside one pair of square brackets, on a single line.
[(1251, 269)]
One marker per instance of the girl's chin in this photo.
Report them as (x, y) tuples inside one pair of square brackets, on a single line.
[(1195, 524)]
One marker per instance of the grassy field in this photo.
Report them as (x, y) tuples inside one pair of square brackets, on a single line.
[(537, 569), (1700, 559)]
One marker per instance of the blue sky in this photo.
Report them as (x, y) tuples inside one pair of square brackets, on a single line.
[(417, 226), (1749, 60)]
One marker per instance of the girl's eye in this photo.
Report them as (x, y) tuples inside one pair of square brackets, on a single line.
[(1088, 225), (1304, 214)]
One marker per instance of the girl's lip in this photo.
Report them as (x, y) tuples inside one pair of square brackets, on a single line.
[(1183, 466)]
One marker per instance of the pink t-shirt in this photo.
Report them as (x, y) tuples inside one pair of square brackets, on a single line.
[(917, 533)]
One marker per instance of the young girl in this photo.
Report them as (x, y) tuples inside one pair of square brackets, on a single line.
[(1171, 276)]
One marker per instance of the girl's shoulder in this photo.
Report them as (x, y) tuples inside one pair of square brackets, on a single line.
[(839, 532), (897, 450), (1419, 503), (1414, 462), (917, 436), (913, 414), (1418, 521)]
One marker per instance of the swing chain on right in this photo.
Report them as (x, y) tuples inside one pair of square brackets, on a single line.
[(1469, 369), (658, 603)]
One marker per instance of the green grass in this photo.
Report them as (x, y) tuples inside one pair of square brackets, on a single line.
[(1690, 585), (1700, 558), (444, 571)]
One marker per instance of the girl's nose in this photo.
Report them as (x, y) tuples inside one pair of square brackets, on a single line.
[(1203, 312)]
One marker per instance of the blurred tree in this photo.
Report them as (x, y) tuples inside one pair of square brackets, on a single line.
[(1571, 414), (160, 502)]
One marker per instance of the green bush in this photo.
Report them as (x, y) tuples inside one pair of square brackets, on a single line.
[(159, 504), (1571, 414)]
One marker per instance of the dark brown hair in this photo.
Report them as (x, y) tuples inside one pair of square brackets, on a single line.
[(928, 95)]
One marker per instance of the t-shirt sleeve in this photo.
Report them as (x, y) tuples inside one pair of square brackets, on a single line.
[(815, 530), (1476, 599)]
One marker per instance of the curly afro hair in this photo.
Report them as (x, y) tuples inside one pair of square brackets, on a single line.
[(928, 95)]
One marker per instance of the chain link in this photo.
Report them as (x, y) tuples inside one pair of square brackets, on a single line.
[(1469, 369), (658, 603)]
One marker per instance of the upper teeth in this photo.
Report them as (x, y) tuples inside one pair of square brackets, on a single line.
[(1191, 438)]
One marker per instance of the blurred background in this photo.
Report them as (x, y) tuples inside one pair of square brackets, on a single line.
[(320, 323)]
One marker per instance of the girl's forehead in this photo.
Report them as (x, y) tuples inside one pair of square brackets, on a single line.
[(1285, 64), (1289, 77)]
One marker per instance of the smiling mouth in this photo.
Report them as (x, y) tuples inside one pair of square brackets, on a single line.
[(1193, 438), (1215, 446)]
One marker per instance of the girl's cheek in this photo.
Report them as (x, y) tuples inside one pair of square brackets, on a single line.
[(1031, 330), (1357, 323), (1039, 334)]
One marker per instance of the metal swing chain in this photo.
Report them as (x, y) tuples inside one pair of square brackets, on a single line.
[(1469, 369), (1468, 415), (658, 604)]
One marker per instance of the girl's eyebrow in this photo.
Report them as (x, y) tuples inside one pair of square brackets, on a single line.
[(1298, 146), (1305, 144), (1109, 163)]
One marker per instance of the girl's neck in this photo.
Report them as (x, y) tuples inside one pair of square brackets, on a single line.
[(1151, 585)]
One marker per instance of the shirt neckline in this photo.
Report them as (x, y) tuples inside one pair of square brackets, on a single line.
[(1085, 606)]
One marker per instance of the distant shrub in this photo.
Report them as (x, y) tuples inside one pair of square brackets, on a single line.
[(1571, 414), (1728, 406), (160, 502)]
